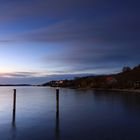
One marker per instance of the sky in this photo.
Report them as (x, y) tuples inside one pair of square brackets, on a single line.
[(42, 40)]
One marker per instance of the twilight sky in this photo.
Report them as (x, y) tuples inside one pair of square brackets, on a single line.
[(41, 40)]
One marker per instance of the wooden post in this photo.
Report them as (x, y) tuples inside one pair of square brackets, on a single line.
[(57, 115), (14, 107), (57, 100)]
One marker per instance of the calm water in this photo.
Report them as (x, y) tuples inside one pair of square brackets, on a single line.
[(83, 115)]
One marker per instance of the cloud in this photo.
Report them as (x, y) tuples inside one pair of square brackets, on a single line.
[(31, 79), (17, 10), (21, 74), (104, 21), (98, 59), (62, 32), (112, 29), (4, 41)]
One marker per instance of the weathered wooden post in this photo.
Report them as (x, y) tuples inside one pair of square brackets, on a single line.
[(57, 100), (57, 115), (14, 106)]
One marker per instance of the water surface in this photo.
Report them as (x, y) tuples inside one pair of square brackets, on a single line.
[(83, 115)]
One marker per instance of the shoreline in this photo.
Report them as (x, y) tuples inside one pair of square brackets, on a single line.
[(120, 90), (95, 89), (109, 90), (103, 89)]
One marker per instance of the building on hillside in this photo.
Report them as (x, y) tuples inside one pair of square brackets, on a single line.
[(111, 80)]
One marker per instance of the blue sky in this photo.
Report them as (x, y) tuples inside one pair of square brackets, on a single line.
[(41, 40)]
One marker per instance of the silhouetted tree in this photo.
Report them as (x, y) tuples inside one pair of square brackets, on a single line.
[(126, 69)]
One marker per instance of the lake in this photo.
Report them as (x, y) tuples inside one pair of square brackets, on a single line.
[(83, 115)]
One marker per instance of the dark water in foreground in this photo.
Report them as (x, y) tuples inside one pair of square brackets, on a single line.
[(83, 115)]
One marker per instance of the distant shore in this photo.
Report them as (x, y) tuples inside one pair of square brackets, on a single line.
[(104, 89), (95, 89), (4, 85), (120, 90), (111, 90)]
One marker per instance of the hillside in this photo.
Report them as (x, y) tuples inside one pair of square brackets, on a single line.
[(127, 79), (131, 75)]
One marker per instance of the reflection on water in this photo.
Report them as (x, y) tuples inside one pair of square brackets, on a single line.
[(57, 125), (13, 131), (57, 115), (80, 114), (14, 119)]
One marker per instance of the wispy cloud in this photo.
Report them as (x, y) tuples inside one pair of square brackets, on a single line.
[(32, 78), (62, 32), (22, 74), (17, 10), (77, 20), (97, 59)]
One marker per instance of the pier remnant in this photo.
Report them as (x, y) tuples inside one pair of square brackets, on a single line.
[(14, 106), (57, 100)]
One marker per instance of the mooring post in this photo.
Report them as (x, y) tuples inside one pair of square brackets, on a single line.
[(57, 100), (57, 115), (14, 106)]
